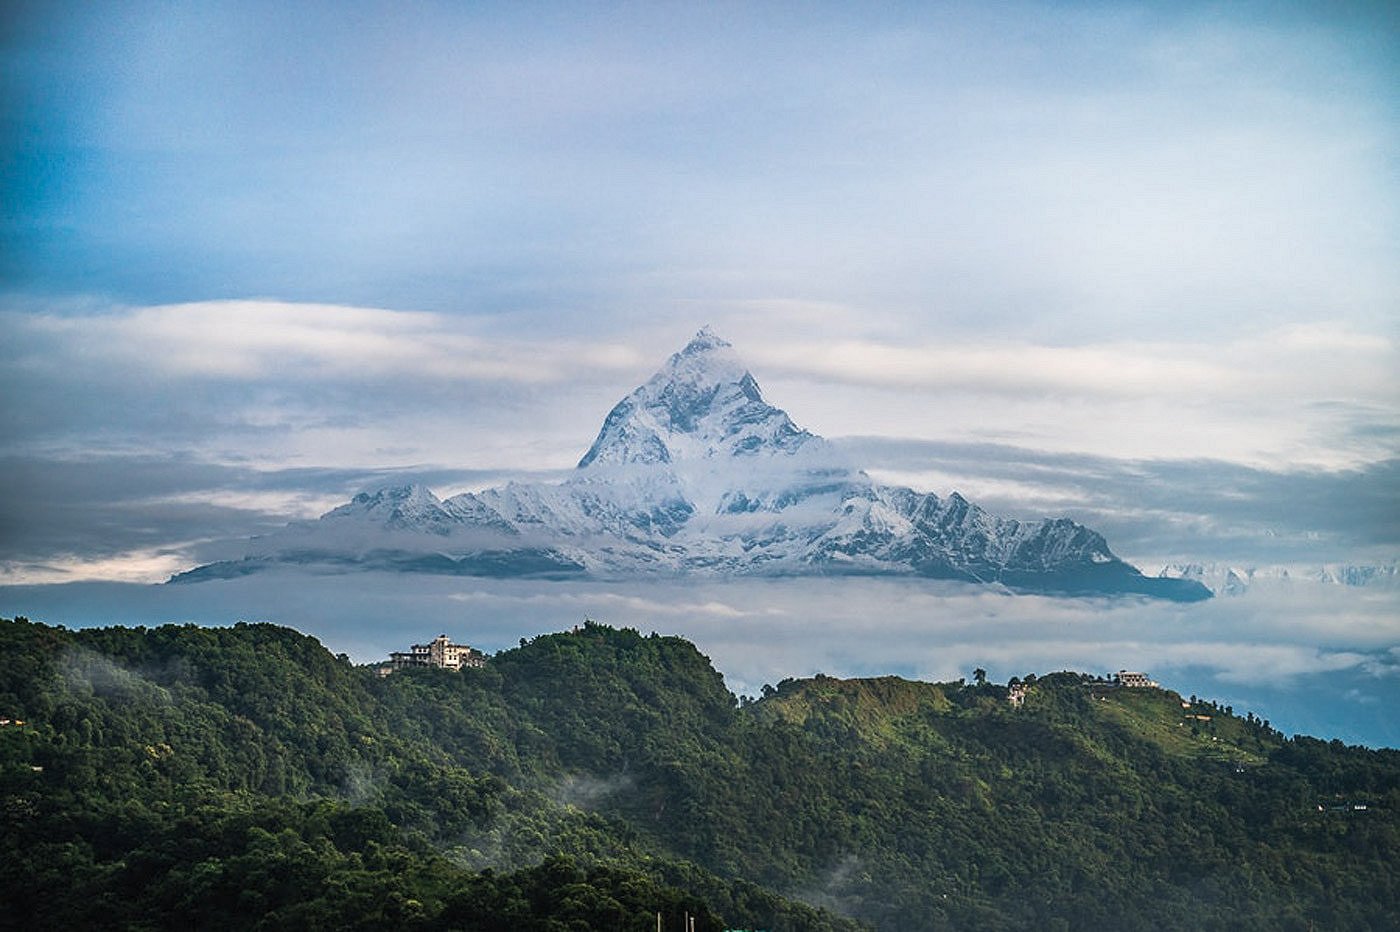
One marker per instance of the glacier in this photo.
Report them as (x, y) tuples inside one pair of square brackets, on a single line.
[(694, 473)]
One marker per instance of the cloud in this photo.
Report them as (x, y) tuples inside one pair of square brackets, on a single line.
[(1302, 361), (1013, 369), (1303, 658), (141, 518), (1315, 394), (1160, 510), (602, 602), (255, 340), (284, 384)]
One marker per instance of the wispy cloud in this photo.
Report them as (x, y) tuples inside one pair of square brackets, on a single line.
[(132, 566), (253, 340), (140, 518), (1321, 394), (282, 384), (1295, 362), (1161, 510), (604, 603)]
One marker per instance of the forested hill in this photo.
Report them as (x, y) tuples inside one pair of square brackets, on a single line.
[(221, 778)]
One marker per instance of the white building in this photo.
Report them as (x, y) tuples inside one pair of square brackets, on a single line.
[(440, 652), (1136, 680)]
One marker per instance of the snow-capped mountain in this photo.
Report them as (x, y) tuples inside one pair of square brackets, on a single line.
[(695, 473), (702, 405), (1223, 579)]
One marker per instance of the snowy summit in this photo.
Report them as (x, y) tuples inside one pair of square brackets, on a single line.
[(702, 404)]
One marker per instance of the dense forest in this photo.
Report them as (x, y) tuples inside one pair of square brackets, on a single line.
[(232, 778)]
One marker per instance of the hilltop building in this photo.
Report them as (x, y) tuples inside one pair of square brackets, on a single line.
[(439, 652), (1135, 680)]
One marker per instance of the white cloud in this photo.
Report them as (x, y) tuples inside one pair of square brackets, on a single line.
[(147, 565), (1293, 363), (1132, 370), (254, 340), (598, 601), (283, 504), (279, 382), (1316, 395), (760, 629)]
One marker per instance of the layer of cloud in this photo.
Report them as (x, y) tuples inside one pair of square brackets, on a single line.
[(141, 518), (1299, 361), (256, 340), (250, 340), (1172, 510), (1315, 658), (278, 384), (308, 376)]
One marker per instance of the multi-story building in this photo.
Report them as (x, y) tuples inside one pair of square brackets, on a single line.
[(440, 652)]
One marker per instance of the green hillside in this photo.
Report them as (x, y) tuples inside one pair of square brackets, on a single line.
[(244, 777)]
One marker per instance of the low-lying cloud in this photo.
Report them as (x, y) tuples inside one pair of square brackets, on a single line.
[(1314, 658)]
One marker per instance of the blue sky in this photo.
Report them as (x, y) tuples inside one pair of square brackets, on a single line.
[(1059, 172), (1132, 262)]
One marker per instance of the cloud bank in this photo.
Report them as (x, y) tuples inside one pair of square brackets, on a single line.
[(1316, 659), (1319, 394)]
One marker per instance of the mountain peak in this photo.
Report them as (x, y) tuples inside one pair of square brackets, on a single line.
[(701, 404), (409, 506), (396, 494), (708, 360), (705, 339)]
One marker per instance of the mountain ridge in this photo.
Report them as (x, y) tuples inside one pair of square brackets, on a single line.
[(245, 777), (1239, 578), (695, 472)]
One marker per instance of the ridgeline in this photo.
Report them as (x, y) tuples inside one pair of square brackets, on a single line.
[(244, 778)]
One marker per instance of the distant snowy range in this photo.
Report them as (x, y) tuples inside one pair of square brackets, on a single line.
[(694, 473), (703, 510)]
